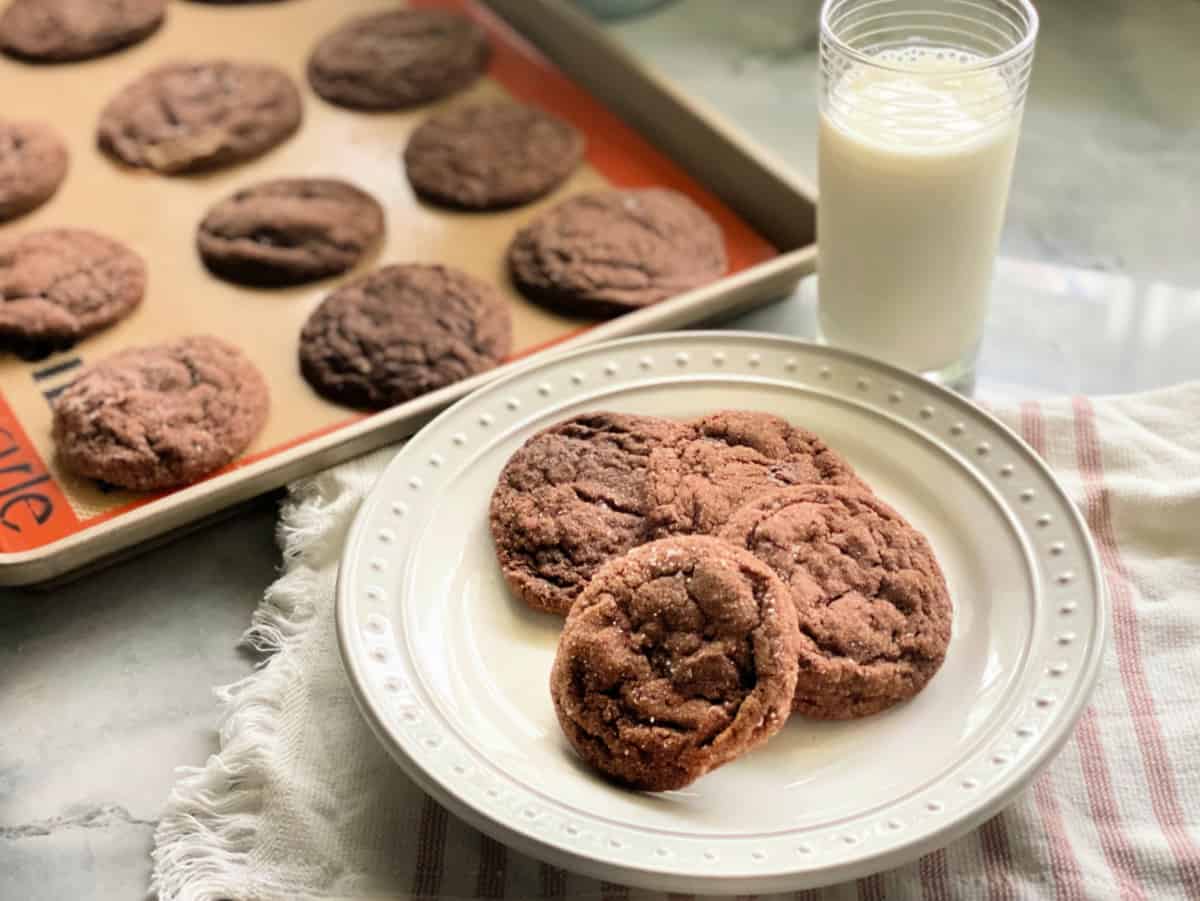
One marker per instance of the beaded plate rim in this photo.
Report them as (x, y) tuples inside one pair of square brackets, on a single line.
[(1070, 625)]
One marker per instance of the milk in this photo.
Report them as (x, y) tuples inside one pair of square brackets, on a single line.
[(915, 163)]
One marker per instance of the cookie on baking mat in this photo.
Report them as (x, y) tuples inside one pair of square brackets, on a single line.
[(732, 457), (161, 416), (604, 253), (54, 31), (491, 155), (872, 603), (289, 230), (33, 163), (398, 59), (402, 331), (570, 499), (59, 285), (677, 658), (193, 116)]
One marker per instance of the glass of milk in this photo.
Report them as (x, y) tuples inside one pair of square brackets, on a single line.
[(920, 110)]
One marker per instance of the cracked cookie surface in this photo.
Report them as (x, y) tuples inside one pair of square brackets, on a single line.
[(33, 163), (193, 116), (402, 331), (66, 30), (734, 456), (872, 604), (161, 416), (491, 155), (60, 285), (398, 59), (289, 230), (571, 498), (677, 658), (603, 253)]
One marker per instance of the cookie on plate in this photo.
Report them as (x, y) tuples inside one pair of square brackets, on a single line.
[(289, 230), (570, 499), (677, 658), (59, 285), (54, 31), (872, 603), (161, 416), (193, 116), (398, 59), (732, 457), (402, 331), (604, 253), (33, 163), (491, 155)]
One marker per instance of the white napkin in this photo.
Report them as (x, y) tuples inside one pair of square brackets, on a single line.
[(302, 802)]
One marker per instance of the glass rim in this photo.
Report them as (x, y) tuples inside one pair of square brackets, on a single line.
[(1014, 52)]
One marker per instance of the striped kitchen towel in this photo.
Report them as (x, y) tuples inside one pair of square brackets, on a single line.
[(301, 802)]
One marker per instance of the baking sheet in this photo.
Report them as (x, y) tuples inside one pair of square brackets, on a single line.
[(51, 520)]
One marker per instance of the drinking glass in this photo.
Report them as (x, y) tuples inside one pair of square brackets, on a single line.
[(920, 109)]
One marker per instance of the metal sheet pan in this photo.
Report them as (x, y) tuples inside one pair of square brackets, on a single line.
[(640, 132)]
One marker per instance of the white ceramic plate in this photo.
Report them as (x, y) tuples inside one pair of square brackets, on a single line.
[(452, 672)]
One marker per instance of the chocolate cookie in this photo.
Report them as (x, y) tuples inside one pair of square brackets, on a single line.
[(187, 117), (33, 163), (399, 59), (161, 416), (607, 252), (734, 456), (289, 230), (570, 499), (489, 156), (872, 602), (403, 331), (62, 284), (65, 30), (677, 658)]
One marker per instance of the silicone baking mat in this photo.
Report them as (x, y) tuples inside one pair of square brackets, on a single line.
[(39, 502)]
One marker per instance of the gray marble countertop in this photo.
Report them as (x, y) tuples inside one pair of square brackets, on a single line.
[(106, 684)]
